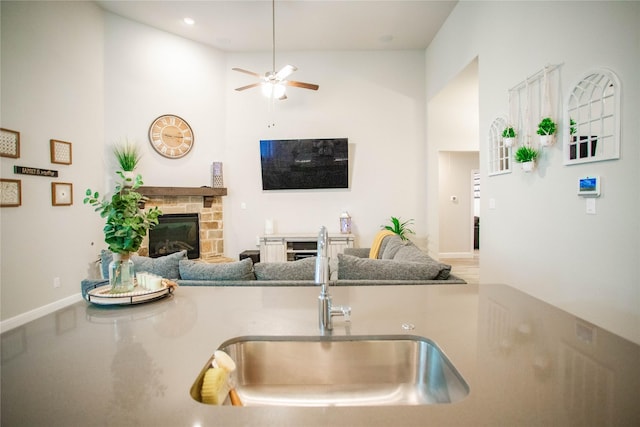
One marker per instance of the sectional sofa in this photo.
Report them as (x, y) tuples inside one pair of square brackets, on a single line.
[(398, 262)]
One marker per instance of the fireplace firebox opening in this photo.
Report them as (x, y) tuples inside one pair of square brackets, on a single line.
[(175, 233)]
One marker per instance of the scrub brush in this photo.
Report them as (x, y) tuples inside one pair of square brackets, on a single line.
[(217, 382)]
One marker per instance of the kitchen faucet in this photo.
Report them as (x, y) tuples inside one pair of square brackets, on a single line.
[(326, 310)]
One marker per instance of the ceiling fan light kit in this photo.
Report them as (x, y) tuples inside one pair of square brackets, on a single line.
[(273, 84)]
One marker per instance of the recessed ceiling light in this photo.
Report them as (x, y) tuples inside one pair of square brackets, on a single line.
[(189, 21)]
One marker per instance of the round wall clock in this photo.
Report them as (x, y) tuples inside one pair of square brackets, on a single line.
[(171, 136)]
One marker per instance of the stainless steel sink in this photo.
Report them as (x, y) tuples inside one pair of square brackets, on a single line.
[(341, 371)]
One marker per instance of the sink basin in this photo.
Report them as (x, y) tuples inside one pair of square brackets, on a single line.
[(340, 371)]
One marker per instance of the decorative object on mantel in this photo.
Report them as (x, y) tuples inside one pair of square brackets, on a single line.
[(526, 156), (546, 130), (171, 136), (126, 227), (9, 143), (128, 157), (216, 175), (61, 152), (274, 83), (61, 193), (10, 193)]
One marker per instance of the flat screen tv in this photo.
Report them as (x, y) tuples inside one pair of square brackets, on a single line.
[(301, 164)]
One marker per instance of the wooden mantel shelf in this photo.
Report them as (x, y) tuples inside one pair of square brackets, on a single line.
[(207, 193)]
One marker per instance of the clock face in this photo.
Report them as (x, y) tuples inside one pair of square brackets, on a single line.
[(171, 136)]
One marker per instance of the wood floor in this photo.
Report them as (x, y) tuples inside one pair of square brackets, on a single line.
[(465, 268)]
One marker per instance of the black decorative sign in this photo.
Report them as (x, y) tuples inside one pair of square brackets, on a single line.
[(23, 170)]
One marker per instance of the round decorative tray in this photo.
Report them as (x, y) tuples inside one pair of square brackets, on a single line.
[(102, 295)]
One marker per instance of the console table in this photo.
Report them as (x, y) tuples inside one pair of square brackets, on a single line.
[(290, 247)]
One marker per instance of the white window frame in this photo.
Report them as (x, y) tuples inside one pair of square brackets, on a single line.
[(500, 156), (594, 105)]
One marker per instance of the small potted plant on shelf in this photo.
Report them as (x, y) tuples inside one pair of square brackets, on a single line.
[(508, 136), (126, 226), (128, 157), (546, 130), (400, 228), (527, 157)]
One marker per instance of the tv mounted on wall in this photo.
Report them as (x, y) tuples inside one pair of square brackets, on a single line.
[(300, 164)]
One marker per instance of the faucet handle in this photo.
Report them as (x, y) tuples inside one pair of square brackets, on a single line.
[(342, 310)]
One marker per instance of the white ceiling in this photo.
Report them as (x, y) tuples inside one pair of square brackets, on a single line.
[(245, 26)]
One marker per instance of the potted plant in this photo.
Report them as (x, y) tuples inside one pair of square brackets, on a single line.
[(128, 157), (400, 228), (508, 136), (126, 226), (546, 130), (527, 157)]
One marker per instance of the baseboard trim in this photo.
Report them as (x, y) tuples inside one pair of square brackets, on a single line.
[(445, 255), (21, 319)]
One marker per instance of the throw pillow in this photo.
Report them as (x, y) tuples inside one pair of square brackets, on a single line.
[(200, 270), (165, 266), (411, 253), (354, 268), (303, 269), (391, 246)]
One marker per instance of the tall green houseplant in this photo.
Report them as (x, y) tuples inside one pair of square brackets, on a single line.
[(399, 228)]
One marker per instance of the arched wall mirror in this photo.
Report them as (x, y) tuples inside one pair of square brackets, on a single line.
[(592, 122), (499, 153)]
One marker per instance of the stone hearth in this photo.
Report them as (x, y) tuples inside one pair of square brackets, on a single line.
[(211, 225)]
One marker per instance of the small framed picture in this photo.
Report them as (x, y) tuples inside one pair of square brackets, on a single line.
[(60, 152), (61, 193), (9, 143), (10, 192)]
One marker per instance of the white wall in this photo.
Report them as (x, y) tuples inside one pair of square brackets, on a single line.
[(373, 98), (456, 216), (52, 88), (538, 238)]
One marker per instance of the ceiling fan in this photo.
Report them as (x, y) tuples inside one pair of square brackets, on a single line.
[(274, 83)]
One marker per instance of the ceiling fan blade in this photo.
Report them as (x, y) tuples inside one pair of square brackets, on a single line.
[(285, 72), (248, 86), (251, 73), (301, 84)]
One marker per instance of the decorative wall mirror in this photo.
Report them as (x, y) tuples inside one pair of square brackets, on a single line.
[(499, 153), (592, 121)]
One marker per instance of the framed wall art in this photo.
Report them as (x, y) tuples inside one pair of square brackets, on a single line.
[(61, 193), (10, 192), (60, 152), (9, 143)]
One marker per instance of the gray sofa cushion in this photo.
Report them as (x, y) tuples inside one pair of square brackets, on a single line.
[(303, 269), (165, 266), (391, 245), (198, 270), (411, 253), (352, 268)]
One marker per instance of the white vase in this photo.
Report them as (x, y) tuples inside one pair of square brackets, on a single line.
[(528, 166), (508, 142), (129, 178), (546, 140)]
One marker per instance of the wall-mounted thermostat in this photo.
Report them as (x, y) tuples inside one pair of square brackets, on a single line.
[(589, 186)]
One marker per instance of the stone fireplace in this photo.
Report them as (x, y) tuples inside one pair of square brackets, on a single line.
[(204, 201)]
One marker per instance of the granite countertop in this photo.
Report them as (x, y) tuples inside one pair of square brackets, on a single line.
[(526, 363)]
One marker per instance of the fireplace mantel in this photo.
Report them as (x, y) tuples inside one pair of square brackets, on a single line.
[(207, 193)]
